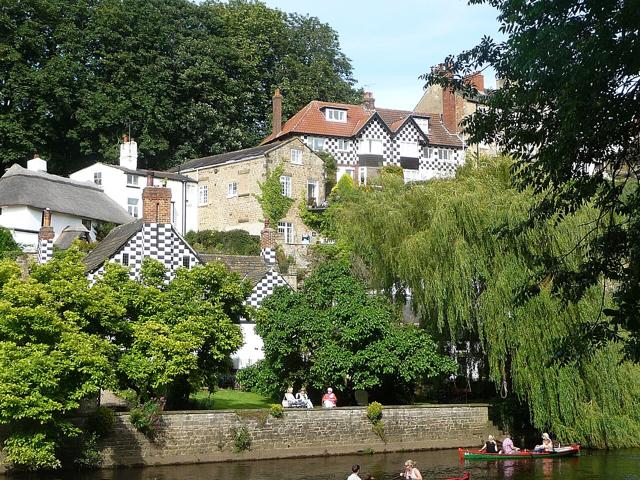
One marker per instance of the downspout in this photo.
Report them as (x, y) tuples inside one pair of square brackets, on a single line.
[(184, 207)]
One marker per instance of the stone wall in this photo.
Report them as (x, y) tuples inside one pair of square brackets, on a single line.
[(191, 437)]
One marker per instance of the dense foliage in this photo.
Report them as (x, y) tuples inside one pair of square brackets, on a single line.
[(334, 332), (186, 79), (569, 105), (61, 340), (232, 242), (8, 247), (274, 204), (455, 246)]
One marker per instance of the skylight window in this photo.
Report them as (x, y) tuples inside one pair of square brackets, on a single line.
[(335, 115)]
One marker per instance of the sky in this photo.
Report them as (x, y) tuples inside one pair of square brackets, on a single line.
[(391, 43)]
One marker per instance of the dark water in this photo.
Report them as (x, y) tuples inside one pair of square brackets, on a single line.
[(614, 465)]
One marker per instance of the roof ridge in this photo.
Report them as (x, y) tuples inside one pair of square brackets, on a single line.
[(17, 170)]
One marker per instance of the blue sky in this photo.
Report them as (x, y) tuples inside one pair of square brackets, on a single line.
[(391, 43)]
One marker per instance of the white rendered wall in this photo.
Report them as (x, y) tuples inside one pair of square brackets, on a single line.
[(251, 350)]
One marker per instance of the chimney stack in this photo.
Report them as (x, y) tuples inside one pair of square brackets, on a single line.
[(37, 164), (368, 102), (449, 117), (476, 80), (156, 203), (128, 153), (268, 242), (276, 119), (45, 238)]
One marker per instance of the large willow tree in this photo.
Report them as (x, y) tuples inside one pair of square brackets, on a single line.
[(457, 245)]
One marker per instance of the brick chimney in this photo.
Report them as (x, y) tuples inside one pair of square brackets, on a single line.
[(368, 102), (268, 242), (156, 203), (276, 119), (45, 238), (449, 117), (476, 80)]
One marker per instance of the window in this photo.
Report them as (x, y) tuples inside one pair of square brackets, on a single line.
[(362, 178), (132, 207), (97, 178), (411, 175), (285, 186), (86, 223), (316, 143), (286, 229), (312, 193), (423, 123), (232, 189), (444, 154), (428, 152), (345, 171), (296, 156), (125, 259), (186, 261), (409, 149), (203, 195), (370, 146), (132, 180), (343, 145), (335, 115)]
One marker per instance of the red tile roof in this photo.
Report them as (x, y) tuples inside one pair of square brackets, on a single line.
[(310, 120)]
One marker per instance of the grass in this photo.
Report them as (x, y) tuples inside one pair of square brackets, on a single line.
[(227, 399)]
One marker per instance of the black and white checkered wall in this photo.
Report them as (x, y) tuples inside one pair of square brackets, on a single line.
[(408, 133), (265, 287), (45, 250), (159, 241), (268, 255)]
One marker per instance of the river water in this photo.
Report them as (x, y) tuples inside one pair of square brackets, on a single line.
[(613, 465)]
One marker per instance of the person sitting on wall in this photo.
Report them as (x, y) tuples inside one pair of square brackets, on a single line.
[(289, 401), (329, 399), (303, 398), (490, 446), (507, 446)]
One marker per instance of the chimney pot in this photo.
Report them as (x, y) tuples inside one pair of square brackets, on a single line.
[(150, 179), (276, 118), (128, 153), (46, 230)]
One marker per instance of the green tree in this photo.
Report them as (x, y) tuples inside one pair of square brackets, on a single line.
[(334, 332), (455, 244), (7, 243), (568, 106), (274, 204), (232, 242)]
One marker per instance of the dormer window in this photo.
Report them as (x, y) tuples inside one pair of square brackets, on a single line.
[(423, 123), (335, 115)]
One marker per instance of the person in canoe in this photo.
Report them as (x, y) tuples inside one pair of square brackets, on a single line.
[(547, 444), (507, 446), (410, 471), (490, 446)]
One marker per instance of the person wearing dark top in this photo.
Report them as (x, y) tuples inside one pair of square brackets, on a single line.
[(490, 446)]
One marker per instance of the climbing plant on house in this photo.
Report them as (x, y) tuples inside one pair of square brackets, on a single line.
[(274, 204)]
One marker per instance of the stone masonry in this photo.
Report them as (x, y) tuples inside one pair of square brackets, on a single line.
[(193, 437)]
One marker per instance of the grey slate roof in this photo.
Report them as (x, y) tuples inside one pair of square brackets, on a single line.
[(20, 186), (228, 157), (252, 267), (69, 234), (156, 173), (113, 242)]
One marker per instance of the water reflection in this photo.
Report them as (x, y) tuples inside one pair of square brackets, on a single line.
[(616, 465)]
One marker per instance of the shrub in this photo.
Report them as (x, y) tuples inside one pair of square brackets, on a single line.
[(148, 416), (276, 410), (90, 456), (100, 422), (374, 412), (232, 242), (259, 379), (241, 439)]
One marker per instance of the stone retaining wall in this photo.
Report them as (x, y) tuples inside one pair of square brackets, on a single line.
[(192, 437)]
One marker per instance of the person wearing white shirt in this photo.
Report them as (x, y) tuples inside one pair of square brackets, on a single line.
[(355, 469)]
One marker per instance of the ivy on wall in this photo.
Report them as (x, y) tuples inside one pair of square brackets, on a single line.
[(274, 204)]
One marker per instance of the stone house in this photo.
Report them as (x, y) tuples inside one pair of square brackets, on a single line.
[(455, 107), (364, 138), (124, 183), (229, 182), (27, 193)]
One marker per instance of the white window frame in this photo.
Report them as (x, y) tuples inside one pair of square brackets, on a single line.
[(343, 145), (296, 156), (316, 190), (444, 155), (409, 149), (232, 190), (97, 178), (362, 175), (367, 146), (335, 115), (203, 195), (286, 229), (285, 185), (314, 141), (133, 207), (345, 170), (132, 180)]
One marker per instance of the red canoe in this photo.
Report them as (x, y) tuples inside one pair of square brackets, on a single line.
[(466, 476), (522, 454)]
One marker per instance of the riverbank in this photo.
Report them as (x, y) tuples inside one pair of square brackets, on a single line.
[(206, 436)]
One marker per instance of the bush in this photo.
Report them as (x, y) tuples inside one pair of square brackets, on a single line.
[(276, 410), (241, 439), (374, 412), (259, 379), (233, 242), (100, 422), (147, 417), (90, 456)]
